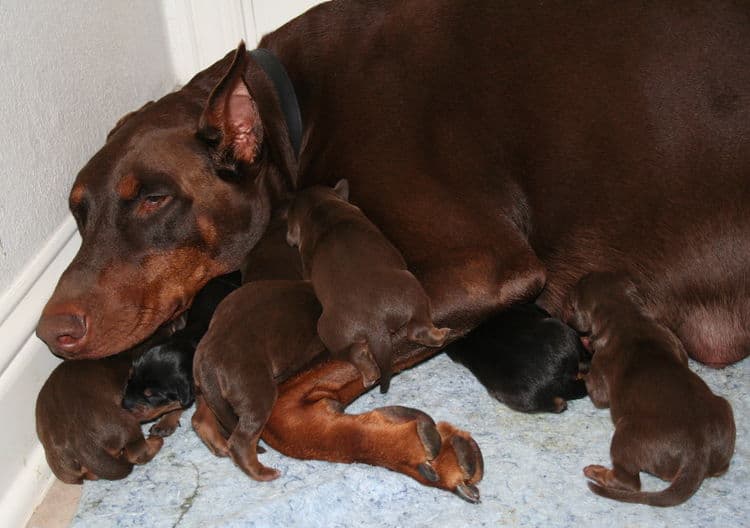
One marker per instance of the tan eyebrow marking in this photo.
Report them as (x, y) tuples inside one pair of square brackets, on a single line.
[(76, 194), (128, 187)]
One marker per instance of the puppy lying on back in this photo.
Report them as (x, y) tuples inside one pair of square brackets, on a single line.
[(163, 375), (526, 359), (262, 334), (361, 280), (649, 411), (92, 392)]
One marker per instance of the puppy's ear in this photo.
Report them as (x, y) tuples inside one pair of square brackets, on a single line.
[(185, 393), (342, 189), (230, 122), (124, 118)]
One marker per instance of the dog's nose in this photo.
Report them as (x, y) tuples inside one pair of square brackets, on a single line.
[(65, 333)]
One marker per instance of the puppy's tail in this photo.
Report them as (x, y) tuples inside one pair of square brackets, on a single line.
[(685, 484), (381, 348)]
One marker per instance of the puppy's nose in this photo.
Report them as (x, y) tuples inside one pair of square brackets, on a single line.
[(64, 330)]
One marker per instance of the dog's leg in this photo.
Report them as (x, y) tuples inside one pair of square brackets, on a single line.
[(142, 450), (207, 427), (467, 285), (243, 450), (251, 402), (308, 421), (167, 424)]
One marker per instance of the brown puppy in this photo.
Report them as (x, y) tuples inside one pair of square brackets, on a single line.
[(86, 395), (362, 281), (667, 420), (261, 334)]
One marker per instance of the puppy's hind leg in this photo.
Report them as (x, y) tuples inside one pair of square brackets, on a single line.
[(208, 428), (426, 333), (252, 402), (344, 346), (360, 357), (627, 448)]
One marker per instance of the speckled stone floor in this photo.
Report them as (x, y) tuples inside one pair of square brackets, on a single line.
[(532, 477)]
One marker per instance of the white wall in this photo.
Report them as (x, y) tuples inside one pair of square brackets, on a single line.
[(202, 31), (69, 71)]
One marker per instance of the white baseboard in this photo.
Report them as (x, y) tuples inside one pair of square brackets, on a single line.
[(25, 364)]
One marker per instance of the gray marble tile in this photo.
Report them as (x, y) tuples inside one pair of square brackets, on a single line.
[(533, 473)]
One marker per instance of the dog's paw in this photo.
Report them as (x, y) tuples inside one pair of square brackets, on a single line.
[(163, 429), (449, 458)]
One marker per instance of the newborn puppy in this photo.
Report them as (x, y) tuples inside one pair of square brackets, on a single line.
[(361, 280), (649, 411), (85, 432), (164, 374), (263, 333), (526, 359)]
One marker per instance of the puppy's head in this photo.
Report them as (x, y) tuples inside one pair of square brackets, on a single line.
[(302, 209), (161, 380)]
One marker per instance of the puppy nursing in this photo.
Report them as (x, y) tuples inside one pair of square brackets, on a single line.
[(526, 359), (92, 392), (361, 279), (670, 424), (164, 373)]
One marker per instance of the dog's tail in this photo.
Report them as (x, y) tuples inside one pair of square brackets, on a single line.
[(381, 348), (686, 483)]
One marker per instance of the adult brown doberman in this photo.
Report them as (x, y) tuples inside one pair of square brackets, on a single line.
[(499, 145)]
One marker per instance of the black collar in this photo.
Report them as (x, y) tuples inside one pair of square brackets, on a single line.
[(285, 91)]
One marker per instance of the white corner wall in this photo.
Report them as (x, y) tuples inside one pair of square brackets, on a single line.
[(70, 70), (202, 31)]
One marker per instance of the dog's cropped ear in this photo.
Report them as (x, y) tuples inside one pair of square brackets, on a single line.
[(342, 189), (230, 121), (124, 118)]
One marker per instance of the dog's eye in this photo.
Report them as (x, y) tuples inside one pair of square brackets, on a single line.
[(152, 202)]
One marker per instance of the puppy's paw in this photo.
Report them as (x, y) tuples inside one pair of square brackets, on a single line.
[(163, 429), (559, 404)]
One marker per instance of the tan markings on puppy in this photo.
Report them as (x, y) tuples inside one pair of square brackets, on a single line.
[(128, 186), (76, 194)]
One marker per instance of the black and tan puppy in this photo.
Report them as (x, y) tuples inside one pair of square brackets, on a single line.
[(362, 281), (163, 375), (85, 396), (667, 420), (526, 359), (262, 333)]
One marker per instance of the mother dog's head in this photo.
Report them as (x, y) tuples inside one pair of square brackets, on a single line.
[(180, 192)]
